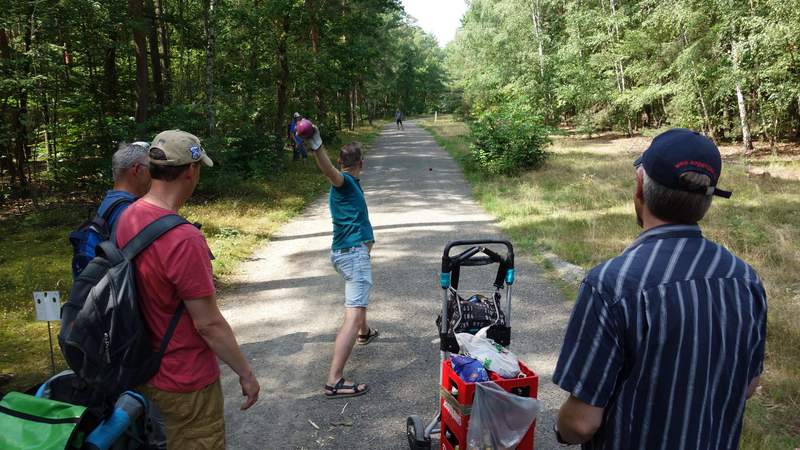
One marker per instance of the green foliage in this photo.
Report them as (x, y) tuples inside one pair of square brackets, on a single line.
[(188, 117), (509, 139), (632, 65), (70, 82), (329, 136), (246, 152)]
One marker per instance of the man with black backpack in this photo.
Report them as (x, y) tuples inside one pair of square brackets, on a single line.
[(173, 273), (131, 171)]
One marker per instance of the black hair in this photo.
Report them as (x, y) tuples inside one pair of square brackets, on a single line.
[(167, 173)]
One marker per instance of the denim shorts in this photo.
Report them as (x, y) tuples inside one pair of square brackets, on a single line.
[(353, 264)]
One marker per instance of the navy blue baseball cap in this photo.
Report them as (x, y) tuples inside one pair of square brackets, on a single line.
[(677, 151)]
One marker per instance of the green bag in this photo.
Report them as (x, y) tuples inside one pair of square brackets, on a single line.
[(28, 422)]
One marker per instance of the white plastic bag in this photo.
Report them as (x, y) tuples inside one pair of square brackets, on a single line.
[(499, 419), (494, 356)]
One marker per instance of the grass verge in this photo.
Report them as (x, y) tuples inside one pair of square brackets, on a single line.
[(237, 216), (579, 206)]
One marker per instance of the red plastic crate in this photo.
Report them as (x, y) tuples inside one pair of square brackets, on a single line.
[(456, 408)]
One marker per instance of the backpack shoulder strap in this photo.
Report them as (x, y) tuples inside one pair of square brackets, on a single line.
[(173, 323), (113, 207), (150, 233)]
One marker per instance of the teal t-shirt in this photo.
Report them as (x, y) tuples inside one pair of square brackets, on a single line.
[(351, 226)]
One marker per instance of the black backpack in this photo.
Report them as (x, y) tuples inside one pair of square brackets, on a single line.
[(103, 336), (85, 238)]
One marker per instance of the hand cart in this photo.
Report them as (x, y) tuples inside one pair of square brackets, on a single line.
[(455, 399)]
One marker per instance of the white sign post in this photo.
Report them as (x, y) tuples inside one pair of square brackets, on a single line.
[(48, 308)]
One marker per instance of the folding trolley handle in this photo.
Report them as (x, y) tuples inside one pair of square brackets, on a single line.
[(476, 255)]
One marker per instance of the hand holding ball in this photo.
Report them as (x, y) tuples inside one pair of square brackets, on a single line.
[(309, 133), (305, 129)]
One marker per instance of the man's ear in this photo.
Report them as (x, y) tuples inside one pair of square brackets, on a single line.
[(190, 173), (639, 185)]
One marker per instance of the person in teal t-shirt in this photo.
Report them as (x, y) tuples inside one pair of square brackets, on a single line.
[(350, 255)]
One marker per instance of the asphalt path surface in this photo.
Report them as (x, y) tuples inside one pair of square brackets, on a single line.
[(286, 305)]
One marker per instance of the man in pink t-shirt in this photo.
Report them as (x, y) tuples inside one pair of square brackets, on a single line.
[(177, 268)]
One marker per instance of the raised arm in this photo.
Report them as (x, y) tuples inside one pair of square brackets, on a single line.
[(326, 167), (314, 144)]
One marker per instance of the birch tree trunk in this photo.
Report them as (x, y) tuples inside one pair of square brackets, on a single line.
[(208, 19), (746, 139), (619, 64), (352, 108), (536, 15)]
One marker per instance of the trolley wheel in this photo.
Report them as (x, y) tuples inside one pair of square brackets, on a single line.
[(415, 431)]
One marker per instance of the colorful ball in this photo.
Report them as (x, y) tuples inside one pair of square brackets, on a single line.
[(305, 129)]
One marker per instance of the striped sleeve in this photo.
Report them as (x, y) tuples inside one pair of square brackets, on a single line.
[(760, 307), (591, 357)]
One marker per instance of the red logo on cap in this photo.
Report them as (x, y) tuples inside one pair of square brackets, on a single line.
[(699, 164)]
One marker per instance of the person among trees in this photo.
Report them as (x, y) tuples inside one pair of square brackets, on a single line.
[(398, 119), (350, 256), (177, 268), (666, 341), (298, 150), (130, 167)]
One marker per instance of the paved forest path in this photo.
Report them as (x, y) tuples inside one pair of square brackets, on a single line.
[(286, 305)]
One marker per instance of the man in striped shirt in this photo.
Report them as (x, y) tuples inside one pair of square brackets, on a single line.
[(666, 341)]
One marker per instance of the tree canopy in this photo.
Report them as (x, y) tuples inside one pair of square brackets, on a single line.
[(79, 76), (730, 68)]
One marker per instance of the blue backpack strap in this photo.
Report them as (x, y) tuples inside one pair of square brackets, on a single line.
[(113, 207), (106, 217)]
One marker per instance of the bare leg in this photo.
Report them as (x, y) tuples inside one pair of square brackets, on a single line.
[(355, 322)]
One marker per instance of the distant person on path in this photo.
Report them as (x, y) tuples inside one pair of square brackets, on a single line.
[(666, 341), (398, 118), (350, 256), (175, 270), (298, 150)]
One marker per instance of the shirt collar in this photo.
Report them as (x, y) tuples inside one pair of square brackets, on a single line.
[(665, 232)]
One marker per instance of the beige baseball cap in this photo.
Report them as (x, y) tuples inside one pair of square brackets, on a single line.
[(177, 148)]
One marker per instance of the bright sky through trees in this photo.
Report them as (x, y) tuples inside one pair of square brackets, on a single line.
[(440, 17)]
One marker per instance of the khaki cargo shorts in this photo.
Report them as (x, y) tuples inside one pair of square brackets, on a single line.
[(193, 420)]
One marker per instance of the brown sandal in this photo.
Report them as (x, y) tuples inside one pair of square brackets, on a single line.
[(364, 339)]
